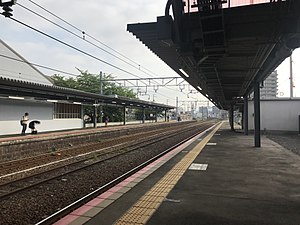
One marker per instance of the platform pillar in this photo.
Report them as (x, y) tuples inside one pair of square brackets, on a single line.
[(165, 115), (231, 118), (95, 115), (124, 115), (257, 138), (143, 119), (245, 115), (299, 125)]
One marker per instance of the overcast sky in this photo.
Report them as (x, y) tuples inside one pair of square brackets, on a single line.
[(106, 21)]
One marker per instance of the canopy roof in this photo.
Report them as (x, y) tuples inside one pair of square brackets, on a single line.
[(222, 51), (16, 88)]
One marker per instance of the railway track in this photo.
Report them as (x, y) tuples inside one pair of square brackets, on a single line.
[(94, 157), (66, 210), (10, 169), (48, 195)]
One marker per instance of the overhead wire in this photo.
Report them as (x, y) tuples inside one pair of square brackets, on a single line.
[(44, 67), (95, 39), (75, 48), (78, 36), (37, 65), (80, 30)]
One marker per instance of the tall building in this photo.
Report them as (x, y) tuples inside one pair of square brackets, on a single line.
[(270, 86)]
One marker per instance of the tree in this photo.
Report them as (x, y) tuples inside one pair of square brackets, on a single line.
[(91, 83)]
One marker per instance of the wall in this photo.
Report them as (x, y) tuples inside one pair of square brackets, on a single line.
[(11, 112), (277, 115)]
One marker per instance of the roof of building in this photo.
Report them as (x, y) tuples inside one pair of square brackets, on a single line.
[(43, 89), (14, 66), (24, 89)]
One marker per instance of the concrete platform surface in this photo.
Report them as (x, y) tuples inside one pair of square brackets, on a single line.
[(236, 184), (242, 185)]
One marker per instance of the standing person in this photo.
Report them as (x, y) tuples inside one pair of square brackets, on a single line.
[(24, 121), (106, 120)]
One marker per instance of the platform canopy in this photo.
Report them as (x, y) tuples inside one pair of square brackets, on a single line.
[(221, 50), (17, 89)]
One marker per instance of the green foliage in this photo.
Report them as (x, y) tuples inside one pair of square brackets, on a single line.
[(91, 83)]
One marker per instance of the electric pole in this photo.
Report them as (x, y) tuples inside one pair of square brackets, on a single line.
[(101, 92), (291, 77)]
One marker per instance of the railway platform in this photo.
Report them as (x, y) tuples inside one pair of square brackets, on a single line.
[(216, 179), (13, 147)]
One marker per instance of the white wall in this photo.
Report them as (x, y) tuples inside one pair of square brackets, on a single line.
[(14, 127), (11, 112), (277, 115)]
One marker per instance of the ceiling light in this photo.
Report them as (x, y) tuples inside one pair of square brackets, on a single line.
[(183, 72), (16, 97), (49, 100)]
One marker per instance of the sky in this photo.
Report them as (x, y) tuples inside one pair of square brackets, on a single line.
[(106, 21)]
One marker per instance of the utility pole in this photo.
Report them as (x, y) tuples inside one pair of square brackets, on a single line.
[(291, 77), (177, 106), (101, 83), (101, 92)]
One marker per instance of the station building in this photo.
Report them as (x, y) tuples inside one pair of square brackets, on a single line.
[(23, 88), (53, 115)]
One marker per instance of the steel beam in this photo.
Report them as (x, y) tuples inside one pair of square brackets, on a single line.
[(166, 115), (245, 115), (231, 118), (95, 115), (124, 115), (257, 138), (144, 115)]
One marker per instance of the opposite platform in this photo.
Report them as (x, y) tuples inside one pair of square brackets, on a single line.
[(232, 183)]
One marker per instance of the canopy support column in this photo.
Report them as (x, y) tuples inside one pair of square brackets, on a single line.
[(124, 115), (257, 138), (245, 115), (95, 115), (143, 115), (231, 118)]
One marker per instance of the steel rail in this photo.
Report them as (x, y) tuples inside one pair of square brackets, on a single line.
[(66, 210), (9, 166), (133, 147)]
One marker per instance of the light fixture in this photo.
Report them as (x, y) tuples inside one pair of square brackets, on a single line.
[(123, 103), (199, 88), (77, 103), (7, 2), (16, 97), (183, 72), (113, 102), (49, 100)]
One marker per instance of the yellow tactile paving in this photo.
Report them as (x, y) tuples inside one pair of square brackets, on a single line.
[(144, 208)]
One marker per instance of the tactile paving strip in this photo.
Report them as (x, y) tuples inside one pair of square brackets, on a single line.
[(145, 207)]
